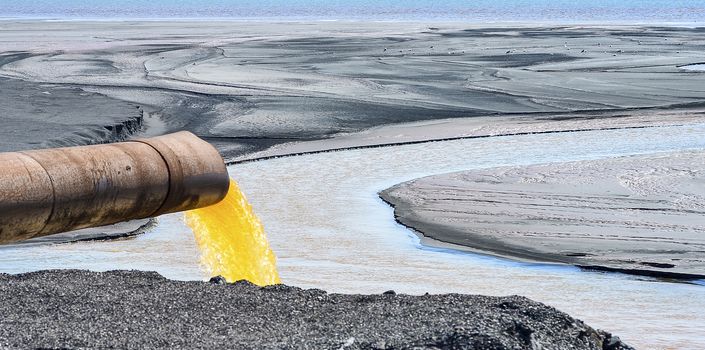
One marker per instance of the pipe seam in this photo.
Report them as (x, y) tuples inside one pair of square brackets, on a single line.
[(168, 173), (53, 190), (43, 192)]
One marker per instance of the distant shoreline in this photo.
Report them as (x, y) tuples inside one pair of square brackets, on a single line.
[(430, 21)]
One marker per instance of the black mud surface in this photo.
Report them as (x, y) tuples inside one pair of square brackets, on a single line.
[(73, 309), (43, 116)]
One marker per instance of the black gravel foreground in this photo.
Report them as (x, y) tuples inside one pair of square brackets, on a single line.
[(136, 310)]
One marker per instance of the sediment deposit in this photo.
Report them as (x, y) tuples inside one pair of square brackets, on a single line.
[(640, 214), (246, 86)]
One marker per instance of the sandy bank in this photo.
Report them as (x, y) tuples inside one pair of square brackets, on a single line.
[(136, 310), (120, 230), (641, 214), (483, 127)]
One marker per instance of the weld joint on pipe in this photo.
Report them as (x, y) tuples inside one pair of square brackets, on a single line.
[(53, 190), (169, 176), (43, 192)]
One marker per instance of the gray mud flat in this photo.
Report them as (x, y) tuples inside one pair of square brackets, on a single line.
[(248, 86), (136, 310), (43, 116), (641, 215)]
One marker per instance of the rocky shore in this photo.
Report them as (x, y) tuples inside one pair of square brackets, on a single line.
[(73, 309)]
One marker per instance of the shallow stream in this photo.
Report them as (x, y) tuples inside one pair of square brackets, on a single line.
[(331, 231)]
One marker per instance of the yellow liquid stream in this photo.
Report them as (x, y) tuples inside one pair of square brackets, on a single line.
[(232, 241)]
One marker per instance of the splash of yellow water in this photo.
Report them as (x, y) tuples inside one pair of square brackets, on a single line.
[(232, 241)]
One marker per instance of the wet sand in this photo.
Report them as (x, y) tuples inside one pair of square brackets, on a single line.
[(480, 127), (641, 215)]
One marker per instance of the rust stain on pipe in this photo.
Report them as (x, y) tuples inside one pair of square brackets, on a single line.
[(43, 192)]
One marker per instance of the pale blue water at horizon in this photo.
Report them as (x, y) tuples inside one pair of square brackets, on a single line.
[(632, 11)]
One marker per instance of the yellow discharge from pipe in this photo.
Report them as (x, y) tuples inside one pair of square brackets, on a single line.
[(232, 240)]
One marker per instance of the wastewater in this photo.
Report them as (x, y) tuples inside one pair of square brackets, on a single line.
[(329, 230), (232, 241)]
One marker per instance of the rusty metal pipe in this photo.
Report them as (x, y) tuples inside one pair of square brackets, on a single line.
[(43, 192)]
